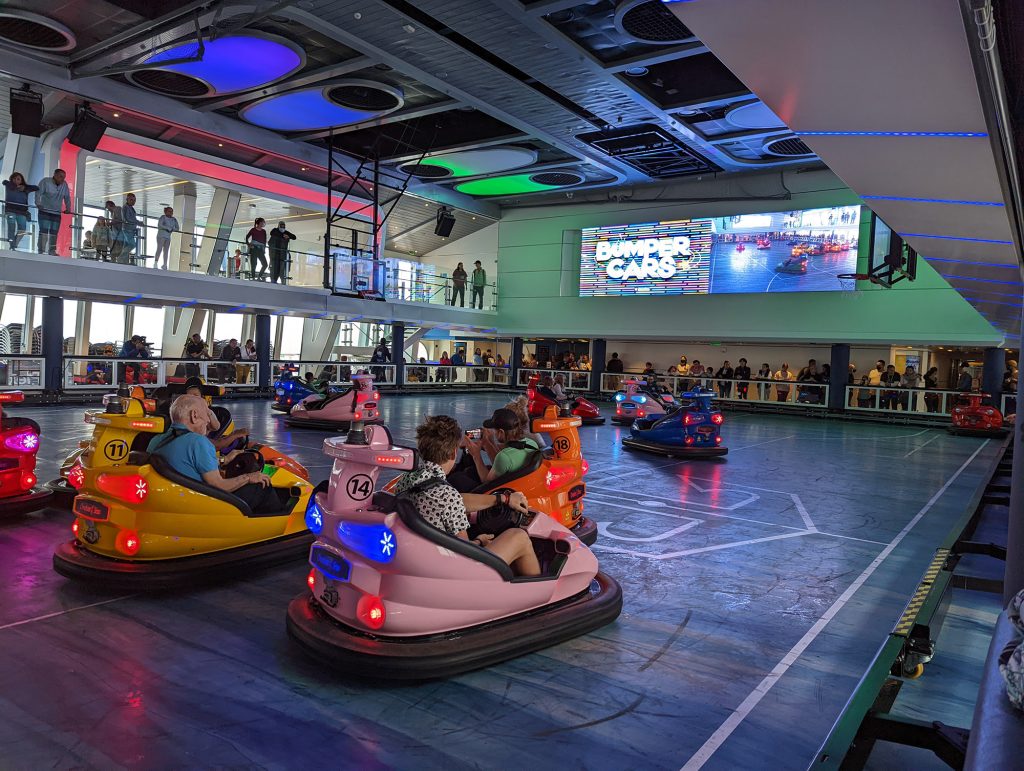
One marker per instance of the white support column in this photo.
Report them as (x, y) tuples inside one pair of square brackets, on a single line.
[(318, 338), (278, 333), (180, 257), (179, 325), (248, 327), (83, 324), (28, 325), (223, 212)]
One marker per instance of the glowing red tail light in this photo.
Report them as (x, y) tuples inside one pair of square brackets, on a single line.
[(76, 476), (311, 579), (127, 542), (370, 610), (28, 480), (559, 476), (130, 488), (358, 416), (585, 466), (12, 396), (689, 419), (718, 419), (74, 528), (376, 396), (688, 440), (718, 440)]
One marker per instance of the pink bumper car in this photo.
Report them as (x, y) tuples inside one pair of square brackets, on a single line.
[(337, 412), (392, 597)]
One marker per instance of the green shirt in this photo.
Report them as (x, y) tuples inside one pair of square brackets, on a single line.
[(479, 277), (512, 459)]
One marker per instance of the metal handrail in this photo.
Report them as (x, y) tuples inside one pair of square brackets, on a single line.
[(96, 372)]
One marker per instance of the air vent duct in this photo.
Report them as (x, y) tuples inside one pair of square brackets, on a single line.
[(649, 149), (649, 21), (559, 178), (32, 30), (367, 96), (787, 147), (171, 83), (426, 170)]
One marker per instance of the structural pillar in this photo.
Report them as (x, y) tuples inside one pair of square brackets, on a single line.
[(180, 252), (598, 357), (215, 246), (53, 343), (840, 364), (992, 374), (263, 348), (1013, 578), (398, 351), (516, 360)]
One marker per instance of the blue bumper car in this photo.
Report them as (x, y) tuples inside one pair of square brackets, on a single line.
[(692, 431)]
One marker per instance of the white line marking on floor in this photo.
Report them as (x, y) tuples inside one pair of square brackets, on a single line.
[(703, 755), (758, 444), (63, 612), (603, 529), (702, 549), (597, 491), (921, 445), (803, 511)]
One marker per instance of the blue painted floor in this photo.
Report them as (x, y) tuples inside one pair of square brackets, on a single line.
[(757, 590)]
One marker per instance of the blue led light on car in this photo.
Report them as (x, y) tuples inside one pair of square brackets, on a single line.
[(330, 564), (953, 201), (314, 516), (375, 542), (956, 238), (954, 134), (619, 397)]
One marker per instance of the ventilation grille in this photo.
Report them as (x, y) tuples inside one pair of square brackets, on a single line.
[(649, 149), (170, 83), (426, 170), (651, 22), (557, 178), (364, 97), (34, 31), (788, 147)]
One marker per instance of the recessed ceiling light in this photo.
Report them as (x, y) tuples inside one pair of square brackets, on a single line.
[(117, 115), (303, 168), (636, 72), (220, 144)]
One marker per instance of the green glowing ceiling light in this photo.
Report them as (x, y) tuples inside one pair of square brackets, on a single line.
[(510, 184)]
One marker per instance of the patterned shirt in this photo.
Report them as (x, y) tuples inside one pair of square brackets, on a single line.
[(441, 505)]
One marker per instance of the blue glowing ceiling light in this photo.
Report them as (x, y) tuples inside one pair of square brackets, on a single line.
[(956, 238), (969, 134), (314, 516), (375, 542), (303, 110), (235, 63), (931, 200)]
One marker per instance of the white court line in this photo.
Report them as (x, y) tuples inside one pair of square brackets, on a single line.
[(63, 612), (922, 445), (803, 511), (718, 738), (758, 444), (702, 549)]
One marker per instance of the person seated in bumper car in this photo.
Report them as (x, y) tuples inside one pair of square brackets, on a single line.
[(506, 444), (222, 442), (521, 407), (438, 440), (189, 452)]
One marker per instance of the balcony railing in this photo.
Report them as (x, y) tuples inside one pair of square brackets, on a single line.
[(21, 373), (84, 373), (754, 390), (573, 379)]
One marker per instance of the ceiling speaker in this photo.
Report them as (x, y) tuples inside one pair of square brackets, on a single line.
[(26, 112), (445, 222), (87, 130)]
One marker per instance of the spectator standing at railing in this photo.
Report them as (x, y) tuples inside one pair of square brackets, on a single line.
[(16, 207), (585, 365), (742, 375), (725, 373), (256, 240), (614, 365), (865, 396), (381, 355), (889, 399), (130, 226), (965, 382), (344, 370), (783, 379), (808, 374), (649, 369), (764, 389), (910, 380), (931, 382), (1009, 388), (235, 268), (165, 226), (52, 193), (443, 372), (101, 239), (232, 354), (195, 349), (116, 223), (875, 378), (459, 277), (479, 282), (279, 238)]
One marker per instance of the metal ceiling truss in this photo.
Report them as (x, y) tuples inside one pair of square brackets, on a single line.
[(393, 117)]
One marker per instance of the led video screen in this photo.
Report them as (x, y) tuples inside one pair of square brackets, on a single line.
[(791, 251)]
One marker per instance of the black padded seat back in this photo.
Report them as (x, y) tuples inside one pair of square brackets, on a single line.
[(411, 518), (321, 403), (533, 462), (545, 391), (18, 422), (223, 417), (164, 469), (141, 443), (385, 502)]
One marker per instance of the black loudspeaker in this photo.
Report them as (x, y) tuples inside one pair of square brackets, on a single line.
[(87, 130), (445, 223), (26, 112)]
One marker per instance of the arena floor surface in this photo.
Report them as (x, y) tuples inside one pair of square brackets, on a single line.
[(757, 590)]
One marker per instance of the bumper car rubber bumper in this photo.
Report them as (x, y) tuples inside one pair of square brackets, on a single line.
[(325, 425), (674, 450), (980, 432), (447, 654), (32, 500), (593, 421), (63, 493), (73, 561), (586, 531)]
